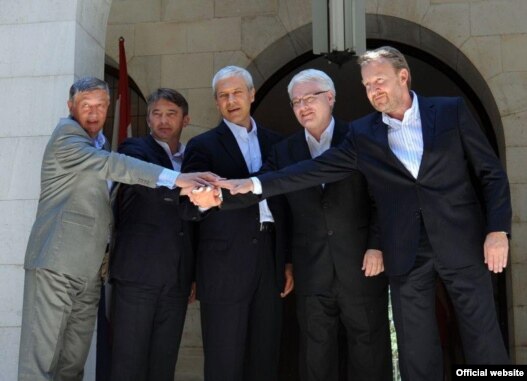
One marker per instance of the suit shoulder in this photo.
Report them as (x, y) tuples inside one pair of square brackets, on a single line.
[(440, 101)]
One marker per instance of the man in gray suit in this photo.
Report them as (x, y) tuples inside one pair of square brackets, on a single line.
[(71, 231)]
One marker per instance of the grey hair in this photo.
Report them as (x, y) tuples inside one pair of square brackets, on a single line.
[(88, 84), (390, 54), (311, 75), (232, 71)]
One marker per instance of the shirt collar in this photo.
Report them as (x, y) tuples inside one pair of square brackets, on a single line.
[(412, 114), (241, 132), (326, 135), (99, 141), (166, 147)]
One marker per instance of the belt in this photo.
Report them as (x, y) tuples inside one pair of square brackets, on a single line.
[(267, 226)]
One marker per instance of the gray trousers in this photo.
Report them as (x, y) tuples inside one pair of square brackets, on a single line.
[(58, 319)]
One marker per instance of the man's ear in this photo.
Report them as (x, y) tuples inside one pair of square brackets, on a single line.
[(186, 120)]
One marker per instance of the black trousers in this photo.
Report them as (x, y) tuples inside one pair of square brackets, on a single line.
[(364, 315), (413, 301), (147, 325), (241, 340)]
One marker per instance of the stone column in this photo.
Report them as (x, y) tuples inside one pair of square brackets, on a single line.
[(46, 45)]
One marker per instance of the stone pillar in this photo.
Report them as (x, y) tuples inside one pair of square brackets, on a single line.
[(46, 44)]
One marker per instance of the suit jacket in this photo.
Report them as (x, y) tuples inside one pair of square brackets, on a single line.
[(226, 253), (74, 217), (152, 244), (333, 226), (443, 195)]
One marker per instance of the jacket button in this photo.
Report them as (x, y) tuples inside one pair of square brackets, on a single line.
[(181, 234), (255, 240), (330, 232)]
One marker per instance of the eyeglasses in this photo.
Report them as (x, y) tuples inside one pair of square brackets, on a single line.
[(306, 99)]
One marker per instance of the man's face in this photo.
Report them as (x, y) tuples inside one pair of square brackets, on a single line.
[(233, 100), (312, 105), (385, 87), (166, 121), (89, 109)]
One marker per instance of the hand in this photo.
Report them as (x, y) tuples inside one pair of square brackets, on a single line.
[(496, 249), (236, 186), (192, 295), (289, 281), (205, 197), (196, 179), (373, 263)]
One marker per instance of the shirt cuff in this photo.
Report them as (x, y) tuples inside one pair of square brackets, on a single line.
[(257, 185), (167, 178)]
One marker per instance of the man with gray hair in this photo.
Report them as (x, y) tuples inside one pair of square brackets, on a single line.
[(423, 159), (70, 234), (241, 253)]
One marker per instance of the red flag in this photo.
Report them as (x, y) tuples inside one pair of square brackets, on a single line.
[(122, 127)]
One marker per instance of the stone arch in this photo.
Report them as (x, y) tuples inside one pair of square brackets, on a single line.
[(294, 48)]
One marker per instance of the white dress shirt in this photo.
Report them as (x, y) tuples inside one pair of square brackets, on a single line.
[(406, 137), (250, 148), (175, 158), (317, 148)]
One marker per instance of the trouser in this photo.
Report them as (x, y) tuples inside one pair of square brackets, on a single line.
[(413, 301), (58, 320), (364, 317), (241, 340), (147, 323)]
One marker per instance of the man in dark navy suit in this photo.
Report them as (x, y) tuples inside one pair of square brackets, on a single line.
[(152, 262), (417, 155), (241, 255)]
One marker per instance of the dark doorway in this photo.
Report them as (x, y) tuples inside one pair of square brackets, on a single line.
[(430, 77)]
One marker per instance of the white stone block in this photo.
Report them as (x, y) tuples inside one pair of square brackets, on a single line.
[(519, 204), (22, 168), (516, 159), (9, 344), (134, 11), (11, 295), (203, 111), (160, 39), (498, 17), (485, 54), (186, 70), (222, 59), (509, 92), (36, 49), (413, 10), (113, 32), (146, 72), (260, 32), (33, 106), (515, 129), (93, 17), (451, 21), (17, 219), (214, 35), (229, 8), (294, 13), (514, 51), (34, 11), (89, 54), (187, 10)]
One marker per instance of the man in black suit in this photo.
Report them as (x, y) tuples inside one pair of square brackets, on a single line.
[(334, 248), (241, 253), (417, 155), (152, 262)]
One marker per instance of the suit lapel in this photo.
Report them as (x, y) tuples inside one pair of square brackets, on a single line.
[(427, 113), (160, 153), (230, 145)]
